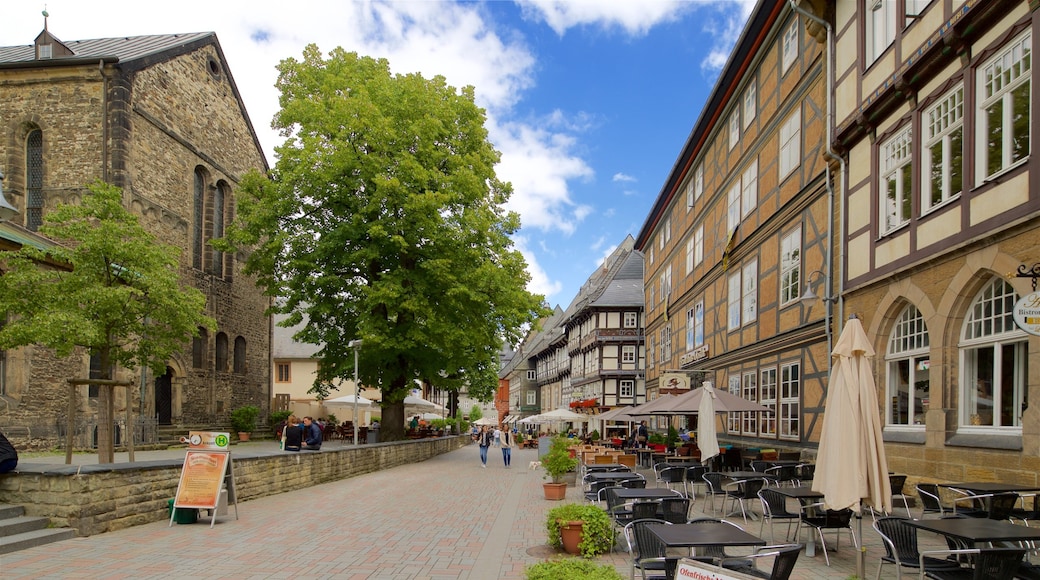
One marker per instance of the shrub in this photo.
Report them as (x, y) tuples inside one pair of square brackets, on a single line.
[(243, 419), (597, 533), (569, 569), (558, 460)]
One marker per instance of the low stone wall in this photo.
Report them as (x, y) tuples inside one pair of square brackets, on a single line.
[(99, 498)]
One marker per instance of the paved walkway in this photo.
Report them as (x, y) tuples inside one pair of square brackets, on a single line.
[(445, 518)]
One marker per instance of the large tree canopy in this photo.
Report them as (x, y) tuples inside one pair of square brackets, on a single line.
[(106, 286), (383, 221)]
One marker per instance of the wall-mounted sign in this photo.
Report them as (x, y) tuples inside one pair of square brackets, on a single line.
[(1027, 313), (699, 353), (674, 381)]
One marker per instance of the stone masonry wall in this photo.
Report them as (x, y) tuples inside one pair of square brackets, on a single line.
[(100, 498)]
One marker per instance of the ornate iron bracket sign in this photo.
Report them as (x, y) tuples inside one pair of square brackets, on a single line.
[(1031, 272)]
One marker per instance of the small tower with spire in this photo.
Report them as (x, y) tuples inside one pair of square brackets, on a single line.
[(47, 45)]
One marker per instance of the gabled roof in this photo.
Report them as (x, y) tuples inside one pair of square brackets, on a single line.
[(126, 48)]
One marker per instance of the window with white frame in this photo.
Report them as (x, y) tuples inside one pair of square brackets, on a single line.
[(733, 206), (790, 143), (880, 27), (734, 128), (907, 362), (626, 389), (790, 266), (695, 326), (733, 305), (789, 46), (1003, 120), (666, 344), (650, 360), (993, 360), (750, 102), (631, 320), (530, 374), (666, 284), (767, 394), (689, 194), (532, 397), (628, 353), (698, 182), (790, 400), (896, 181), (698, 245), (749, 391), (733, 419), (749, 189), (690, 246), (749, 293), (943, 171)]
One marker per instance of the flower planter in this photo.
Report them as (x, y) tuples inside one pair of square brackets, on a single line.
[(555, 491), (244, 435), (570, 534)]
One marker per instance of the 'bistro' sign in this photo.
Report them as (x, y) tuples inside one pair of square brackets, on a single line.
[(1027, 313)]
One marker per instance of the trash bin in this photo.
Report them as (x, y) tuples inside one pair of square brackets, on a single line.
[(182, 515)]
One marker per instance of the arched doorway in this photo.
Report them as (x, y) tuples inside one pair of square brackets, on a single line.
[(164, 397)]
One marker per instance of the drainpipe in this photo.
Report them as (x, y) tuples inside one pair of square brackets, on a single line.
[(830, 154)]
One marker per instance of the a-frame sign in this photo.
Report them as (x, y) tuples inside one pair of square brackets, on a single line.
[(207, 470)]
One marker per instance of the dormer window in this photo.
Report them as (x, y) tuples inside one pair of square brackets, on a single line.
[(46, 51)]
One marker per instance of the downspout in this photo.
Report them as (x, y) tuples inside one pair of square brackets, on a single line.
[(830, 154), (104, 121)]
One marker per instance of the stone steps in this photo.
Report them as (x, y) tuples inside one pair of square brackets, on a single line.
[(19, 531)]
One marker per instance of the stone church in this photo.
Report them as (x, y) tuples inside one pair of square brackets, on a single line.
[(161, 117)]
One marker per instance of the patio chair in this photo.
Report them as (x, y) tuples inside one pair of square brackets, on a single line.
[(742, 491), (784, 558), (634, 483), (643, 509), (897, 482), (593, 493), (987, 564), (901, 548), (675, 509), (731, 461), (836, 520), (642, 545), (782, 474), (658, 468), (994, 506), (760, 466), (931, 502), (806, 472), (717, 554), (694, 477), (713, 481), (774, 507), (673, 476)]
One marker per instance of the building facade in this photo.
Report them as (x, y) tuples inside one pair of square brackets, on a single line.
[(743, 222), (160, 117), (934, 118)]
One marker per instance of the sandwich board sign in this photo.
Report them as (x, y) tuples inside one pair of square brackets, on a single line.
[(206, 472), (688, 569)]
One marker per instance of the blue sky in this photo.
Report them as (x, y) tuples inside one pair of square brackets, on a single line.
[(589, 101)]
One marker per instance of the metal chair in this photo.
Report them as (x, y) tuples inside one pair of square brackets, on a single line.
[(675, 509), (645, 549), (901, 548), (987, 564), (694, 477), (774, 507), (716, 554), (830, 520), (931, 502), (760, 466), (673, 476), (782, 474), (741, 491), (897, 482), (635, 483), (784, 558), (806, 472), (713, 480)]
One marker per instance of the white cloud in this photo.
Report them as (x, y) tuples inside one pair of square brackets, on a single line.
[(634, 18), (540, 282), (622, 177), (604, 255), (724, 27)]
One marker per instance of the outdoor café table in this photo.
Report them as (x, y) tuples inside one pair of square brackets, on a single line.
[(749, 475), (991, 487), (805, 496), (702, 535), (977, 531), (612, 475), (644, 453), (601, 467), (632, 494)]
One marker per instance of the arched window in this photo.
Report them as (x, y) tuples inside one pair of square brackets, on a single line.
[(219, 201), (993, 360), (222, 352), (908, 362), (240, 355), (199, 209), (34, 180), (198, 349)]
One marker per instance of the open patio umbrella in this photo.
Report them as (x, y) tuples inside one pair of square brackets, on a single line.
[(647, 408), (851, 466), (486, 421), (413, 401), (348, 400), (707, 435), (562, 415), (724, 402)]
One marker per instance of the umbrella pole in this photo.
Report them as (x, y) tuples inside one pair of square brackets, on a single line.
[(861, 549)]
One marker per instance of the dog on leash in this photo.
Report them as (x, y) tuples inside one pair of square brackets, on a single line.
[(534, 465)]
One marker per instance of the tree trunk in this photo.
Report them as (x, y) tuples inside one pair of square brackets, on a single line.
[(106, 412)]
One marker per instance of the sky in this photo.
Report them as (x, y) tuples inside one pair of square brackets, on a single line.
[(589, 102)]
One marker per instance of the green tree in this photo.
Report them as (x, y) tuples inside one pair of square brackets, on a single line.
[(106, 286), (383, 221)]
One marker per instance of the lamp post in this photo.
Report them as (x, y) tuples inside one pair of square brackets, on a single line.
[(356, 345)]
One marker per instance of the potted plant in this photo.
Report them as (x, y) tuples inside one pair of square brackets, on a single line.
[(580, 528), (594, 436), (556, 464), (571, 568), (672, 438), (243, 420)]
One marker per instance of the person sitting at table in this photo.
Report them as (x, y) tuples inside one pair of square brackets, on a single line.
[(292, 435), (311, 435), (8, 455)]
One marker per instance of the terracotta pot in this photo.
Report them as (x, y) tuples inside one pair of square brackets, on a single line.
[(570, 534), (555, 491), (244, 435)]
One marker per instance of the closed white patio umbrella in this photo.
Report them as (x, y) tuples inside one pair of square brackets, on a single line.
[(707, 433)]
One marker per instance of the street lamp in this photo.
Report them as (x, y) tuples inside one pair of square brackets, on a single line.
[(809, 296), (7, 211), (356, 345)]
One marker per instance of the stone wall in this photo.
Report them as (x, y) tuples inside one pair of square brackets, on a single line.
[(100, 498)]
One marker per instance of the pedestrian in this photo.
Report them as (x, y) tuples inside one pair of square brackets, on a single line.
[(483, 442), (507, 441), (8, 455), (292, 435), (498, 437), (641, 434), (311, 435)]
